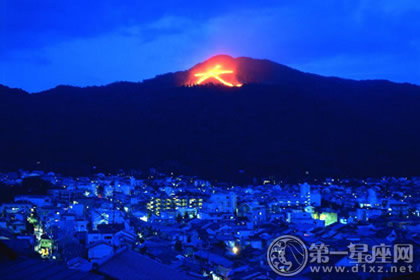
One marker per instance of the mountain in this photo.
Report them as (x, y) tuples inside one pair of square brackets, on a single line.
[(247, 70), (12, 92), (280, 121)]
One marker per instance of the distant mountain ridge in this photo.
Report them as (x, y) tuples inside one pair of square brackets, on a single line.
[(250, 71), (280, 122), (5, 90)]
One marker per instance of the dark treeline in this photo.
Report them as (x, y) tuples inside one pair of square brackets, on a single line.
[(304, 122)]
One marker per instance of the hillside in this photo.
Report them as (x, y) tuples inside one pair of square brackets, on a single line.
[(279, 122)]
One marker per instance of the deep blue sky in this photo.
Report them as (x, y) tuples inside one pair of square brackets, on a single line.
[(49, 42)]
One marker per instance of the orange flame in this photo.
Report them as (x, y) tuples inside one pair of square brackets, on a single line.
[(219, 69), (215, 73)]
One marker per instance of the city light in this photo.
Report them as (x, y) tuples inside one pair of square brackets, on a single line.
[(235, 250)]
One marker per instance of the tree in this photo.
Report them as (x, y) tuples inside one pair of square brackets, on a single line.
[(178, 245), (221, 245), (29, 227), (35, 185)]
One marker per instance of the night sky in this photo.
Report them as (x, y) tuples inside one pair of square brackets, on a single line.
[(50, 42)]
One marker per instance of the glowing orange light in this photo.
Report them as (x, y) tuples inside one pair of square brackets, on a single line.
[(215, 73)]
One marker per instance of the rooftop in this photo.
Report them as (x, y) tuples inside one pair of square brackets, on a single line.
[(132, 265)]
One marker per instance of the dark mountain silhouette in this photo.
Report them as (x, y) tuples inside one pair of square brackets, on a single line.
[(6, 91), (280, 122)]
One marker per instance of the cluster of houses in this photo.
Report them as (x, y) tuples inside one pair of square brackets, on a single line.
[(194, 229)]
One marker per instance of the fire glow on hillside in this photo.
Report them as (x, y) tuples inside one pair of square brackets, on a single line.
[(215, 73), (217, 70)]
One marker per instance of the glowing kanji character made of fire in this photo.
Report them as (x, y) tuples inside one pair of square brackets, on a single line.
[(215, 73)]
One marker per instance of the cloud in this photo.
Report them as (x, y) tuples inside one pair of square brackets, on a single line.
[(33, 23), (85, 43), (130, 53), (354, 39)]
